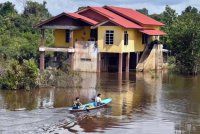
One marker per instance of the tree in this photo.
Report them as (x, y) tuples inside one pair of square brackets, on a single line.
[(7, 8), (190, 9), (184, 35), (36, 11), (169, 15), (143, 11)]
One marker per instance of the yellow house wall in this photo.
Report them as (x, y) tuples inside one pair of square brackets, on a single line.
[(82, 34), (134, 40), (118, 39), (59, 35)]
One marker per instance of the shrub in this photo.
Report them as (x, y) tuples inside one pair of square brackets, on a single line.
[(20, 76)]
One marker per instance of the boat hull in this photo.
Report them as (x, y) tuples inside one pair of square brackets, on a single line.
[(90, 106)]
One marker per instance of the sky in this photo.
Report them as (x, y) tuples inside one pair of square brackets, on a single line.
[(154, 6)]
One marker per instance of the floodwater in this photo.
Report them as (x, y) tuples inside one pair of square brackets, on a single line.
[(142, 104)]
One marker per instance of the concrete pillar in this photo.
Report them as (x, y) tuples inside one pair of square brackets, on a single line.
[(42, 53), (120, 63), (127, 62), (137, 57), (71, 39), (71, 58), (99, 62)]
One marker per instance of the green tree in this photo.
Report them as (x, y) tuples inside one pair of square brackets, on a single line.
[(7, 8), (143, 11), (190, 9), (184, 35)]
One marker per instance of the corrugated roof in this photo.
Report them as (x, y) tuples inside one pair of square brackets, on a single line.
[(83, 18), (115, 18), (134, 15), (152, 32), (73, 15)]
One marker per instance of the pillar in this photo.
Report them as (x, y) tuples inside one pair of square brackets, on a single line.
[(42, 53), (120, 63), (127, 62), (71, 39), (137, 57), (99, 62), (71, 58)]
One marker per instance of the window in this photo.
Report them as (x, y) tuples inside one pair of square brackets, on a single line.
[(109, 37), (86, 59), (144, 38), (125, 38), (67, 36)]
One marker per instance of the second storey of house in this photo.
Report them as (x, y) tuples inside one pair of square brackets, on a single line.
[(110, 27)]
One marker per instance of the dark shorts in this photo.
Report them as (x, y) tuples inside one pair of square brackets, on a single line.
[(99, 103)]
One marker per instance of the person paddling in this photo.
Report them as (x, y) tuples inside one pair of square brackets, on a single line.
[(77, 103), (98, 100)]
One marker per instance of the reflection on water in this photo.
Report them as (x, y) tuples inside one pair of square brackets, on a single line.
[(142, 103)]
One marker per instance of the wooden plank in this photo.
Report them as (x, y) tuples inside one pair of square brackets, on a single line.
[(70, 50), (62, 27)]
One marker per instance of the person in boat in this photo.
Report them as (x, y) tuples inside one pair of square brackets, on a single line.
[(77, 103), (98, 100)]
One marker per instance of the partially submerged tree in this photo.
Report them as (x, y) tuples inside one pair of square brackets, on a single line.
[(184, 35)]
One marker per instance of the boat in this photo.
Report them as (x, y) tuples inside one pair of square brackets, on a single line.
[(91, 106)]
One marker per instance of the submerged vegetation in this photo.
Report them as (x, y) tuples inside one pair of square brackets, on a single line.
[(19, 39), (19, 55)]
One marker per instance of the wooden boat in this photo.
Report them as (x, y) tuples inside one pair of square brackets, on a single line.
[(91, 106)]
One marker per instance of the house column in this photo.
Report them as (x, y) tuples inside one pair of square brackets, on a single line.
[(120, 63), (71, 39), (42, 52), (99, 62), (137, 57), (127, 62), (71, 58)]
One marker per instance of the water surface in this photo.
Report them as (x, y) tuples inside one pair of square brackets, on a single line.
[(142, 104)]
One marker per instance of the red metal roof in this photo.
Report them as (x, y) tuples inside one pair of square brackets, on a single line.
[(83, 18), (152, 32), (73, 15), (134, 15), (115, 18)]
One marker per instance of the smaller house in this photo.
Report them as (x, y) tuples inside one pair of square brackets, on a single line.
[(105, 38)]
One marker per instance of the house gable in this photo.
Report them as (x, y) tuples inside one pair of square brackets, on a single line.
[(93, 15)]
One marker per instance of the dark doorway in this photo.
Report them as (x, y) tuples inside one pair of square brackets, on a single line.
[(93, 35), (133, 61)]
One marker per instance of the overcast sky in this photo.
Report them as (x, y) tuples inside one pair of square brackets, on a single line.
[(154, 6)]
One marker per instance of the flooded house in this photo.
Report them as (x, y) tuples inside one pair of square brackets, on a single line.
[(101, 39)]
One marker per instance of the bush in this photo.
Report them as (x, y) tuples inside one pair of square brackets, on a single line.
[(59, 78), (20, 76)]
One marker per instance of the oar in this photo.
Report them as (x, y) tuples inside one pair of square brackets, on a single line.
[(87, 109)]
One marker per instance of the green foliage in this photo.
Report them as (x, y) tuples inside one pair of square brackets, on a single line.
[(19, 39), (184, 36), (172, 63), (190, 9), (20, 76), (143, 11), (7, 8)]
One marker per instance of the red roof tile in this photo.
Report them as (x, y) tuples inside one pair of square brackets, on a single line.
[(152, 32), (115, 18), (83, 18), (134, 15)]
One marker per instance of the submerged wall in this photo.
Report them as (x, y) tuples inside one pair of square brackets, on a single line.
[(85, 57)]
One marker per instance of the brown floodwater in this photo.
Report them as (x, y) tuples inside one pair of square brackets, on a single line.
[(142, 104)]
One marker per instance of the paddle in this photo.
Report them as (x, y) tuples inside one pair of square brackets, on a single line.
[(86, 108)]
